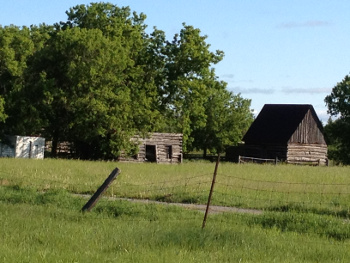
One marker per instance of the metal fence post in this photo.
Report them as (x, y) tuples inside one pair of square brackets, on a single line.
[(211, 191)]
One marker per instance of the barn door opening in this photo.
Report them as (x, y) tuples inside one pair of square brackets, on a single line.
[(151, 153)]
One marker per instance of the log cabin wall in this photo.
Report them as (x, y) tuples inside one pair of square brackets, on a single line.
[(307, 154), (159, 148)]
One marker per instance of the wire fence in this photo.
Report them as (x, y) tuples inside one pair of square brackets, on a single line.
[(231, 192)]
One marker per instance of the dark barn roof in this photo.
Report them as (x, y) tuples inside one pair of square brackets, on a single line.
[(276, 123)]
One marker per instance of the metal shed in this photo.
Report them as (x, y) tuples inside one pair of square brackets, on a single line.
[(290, 132), (22, 147)]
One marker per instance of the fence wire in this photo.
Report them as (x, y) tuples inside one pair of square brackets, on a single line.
[(331, 199)]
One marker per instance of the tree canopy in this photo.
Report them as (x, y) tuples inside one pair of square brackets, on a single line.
[(99, 78), (338, 131)]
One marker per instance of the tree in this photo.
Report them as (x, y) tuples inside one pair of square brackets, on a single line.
[(90, 89), (228, 117), (2, 110), (337, 135), (184, 90), (98, 79), (18, 45), (338, 131)]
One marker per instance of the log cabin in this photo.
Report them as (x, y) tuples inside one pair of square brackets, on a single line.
[(288, 132), (157, 148)]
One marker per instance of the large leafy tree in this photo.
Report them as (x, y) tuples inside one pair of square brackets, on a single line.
[(337, 132), (192, 99), (93, 92), (187, 70), (228, 117), (17, 46), (99, 78)]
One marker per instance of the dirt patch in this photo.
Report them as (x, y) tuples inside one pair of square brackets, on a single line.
[(212, 209)]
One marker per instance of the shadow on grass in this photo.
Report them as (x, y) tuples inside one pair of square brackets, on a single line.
[(342, 213), (304, 223)]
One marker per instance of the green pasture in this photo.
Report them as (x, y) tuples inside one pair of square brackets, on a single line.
[(305, 216), (323, 190)]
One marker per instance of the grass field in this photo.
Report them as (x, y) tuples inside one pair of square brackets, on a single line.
[(305, 219)]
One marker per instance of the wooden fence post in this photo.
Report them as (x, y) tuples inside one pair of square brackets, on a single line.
[(97, 195)]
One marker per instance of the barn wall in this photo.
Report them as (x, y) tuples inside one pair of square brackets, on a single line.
[(264, 151), (307, 153), (161, 142), (270, 151), (308, 132)]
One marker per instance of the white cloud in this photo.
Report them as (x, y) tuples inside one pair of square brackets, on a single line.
[(310, 23), (253, 90), (228, 76), (306, 91)]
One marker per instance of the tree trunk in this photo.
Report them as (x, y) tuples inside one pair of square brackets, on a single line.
[(54, 145), (205, 153)]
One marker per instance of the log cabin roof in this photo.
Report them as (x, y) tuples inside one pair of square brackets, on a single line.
[(276, 123)]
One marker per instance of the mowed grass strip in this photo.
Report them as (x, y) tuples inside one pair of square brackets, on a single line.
[(49, 227)]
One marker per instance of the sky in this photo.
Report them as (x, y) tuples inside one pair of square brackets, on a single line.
[(291, 51)]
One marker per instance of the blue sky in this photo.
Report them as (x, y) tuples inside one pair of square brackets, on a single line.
[(275, 51)]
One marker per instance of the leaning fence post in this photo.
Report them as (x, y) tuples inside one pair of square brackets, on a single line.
[(211, 191), (97, 195)]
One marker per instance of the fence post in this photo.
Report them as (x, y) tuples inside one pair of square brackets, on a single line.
[(211, 191), (97, 195)]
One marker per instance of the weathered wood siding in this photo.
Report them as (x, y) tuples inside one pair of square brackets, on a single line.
[(294, 153), (167, 148), (307, 154), (308, 132)]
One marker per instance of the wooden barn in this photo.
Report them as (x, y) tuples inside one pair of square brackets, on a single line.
[(289, 132), (158, 148)]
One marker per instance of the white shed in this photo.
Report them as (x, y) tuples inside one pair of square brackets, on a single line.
[(22, 147)]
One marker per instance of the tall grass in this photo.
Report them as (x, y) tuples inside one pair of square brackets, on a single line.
[(323, 190), (48, 227)]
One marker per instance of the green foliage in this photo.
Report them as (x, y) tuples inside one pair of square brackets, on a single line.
[(337, 134), (18, 46), (338, 100), (338, 131), (98, 78), (2, 110), (228, 117)]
